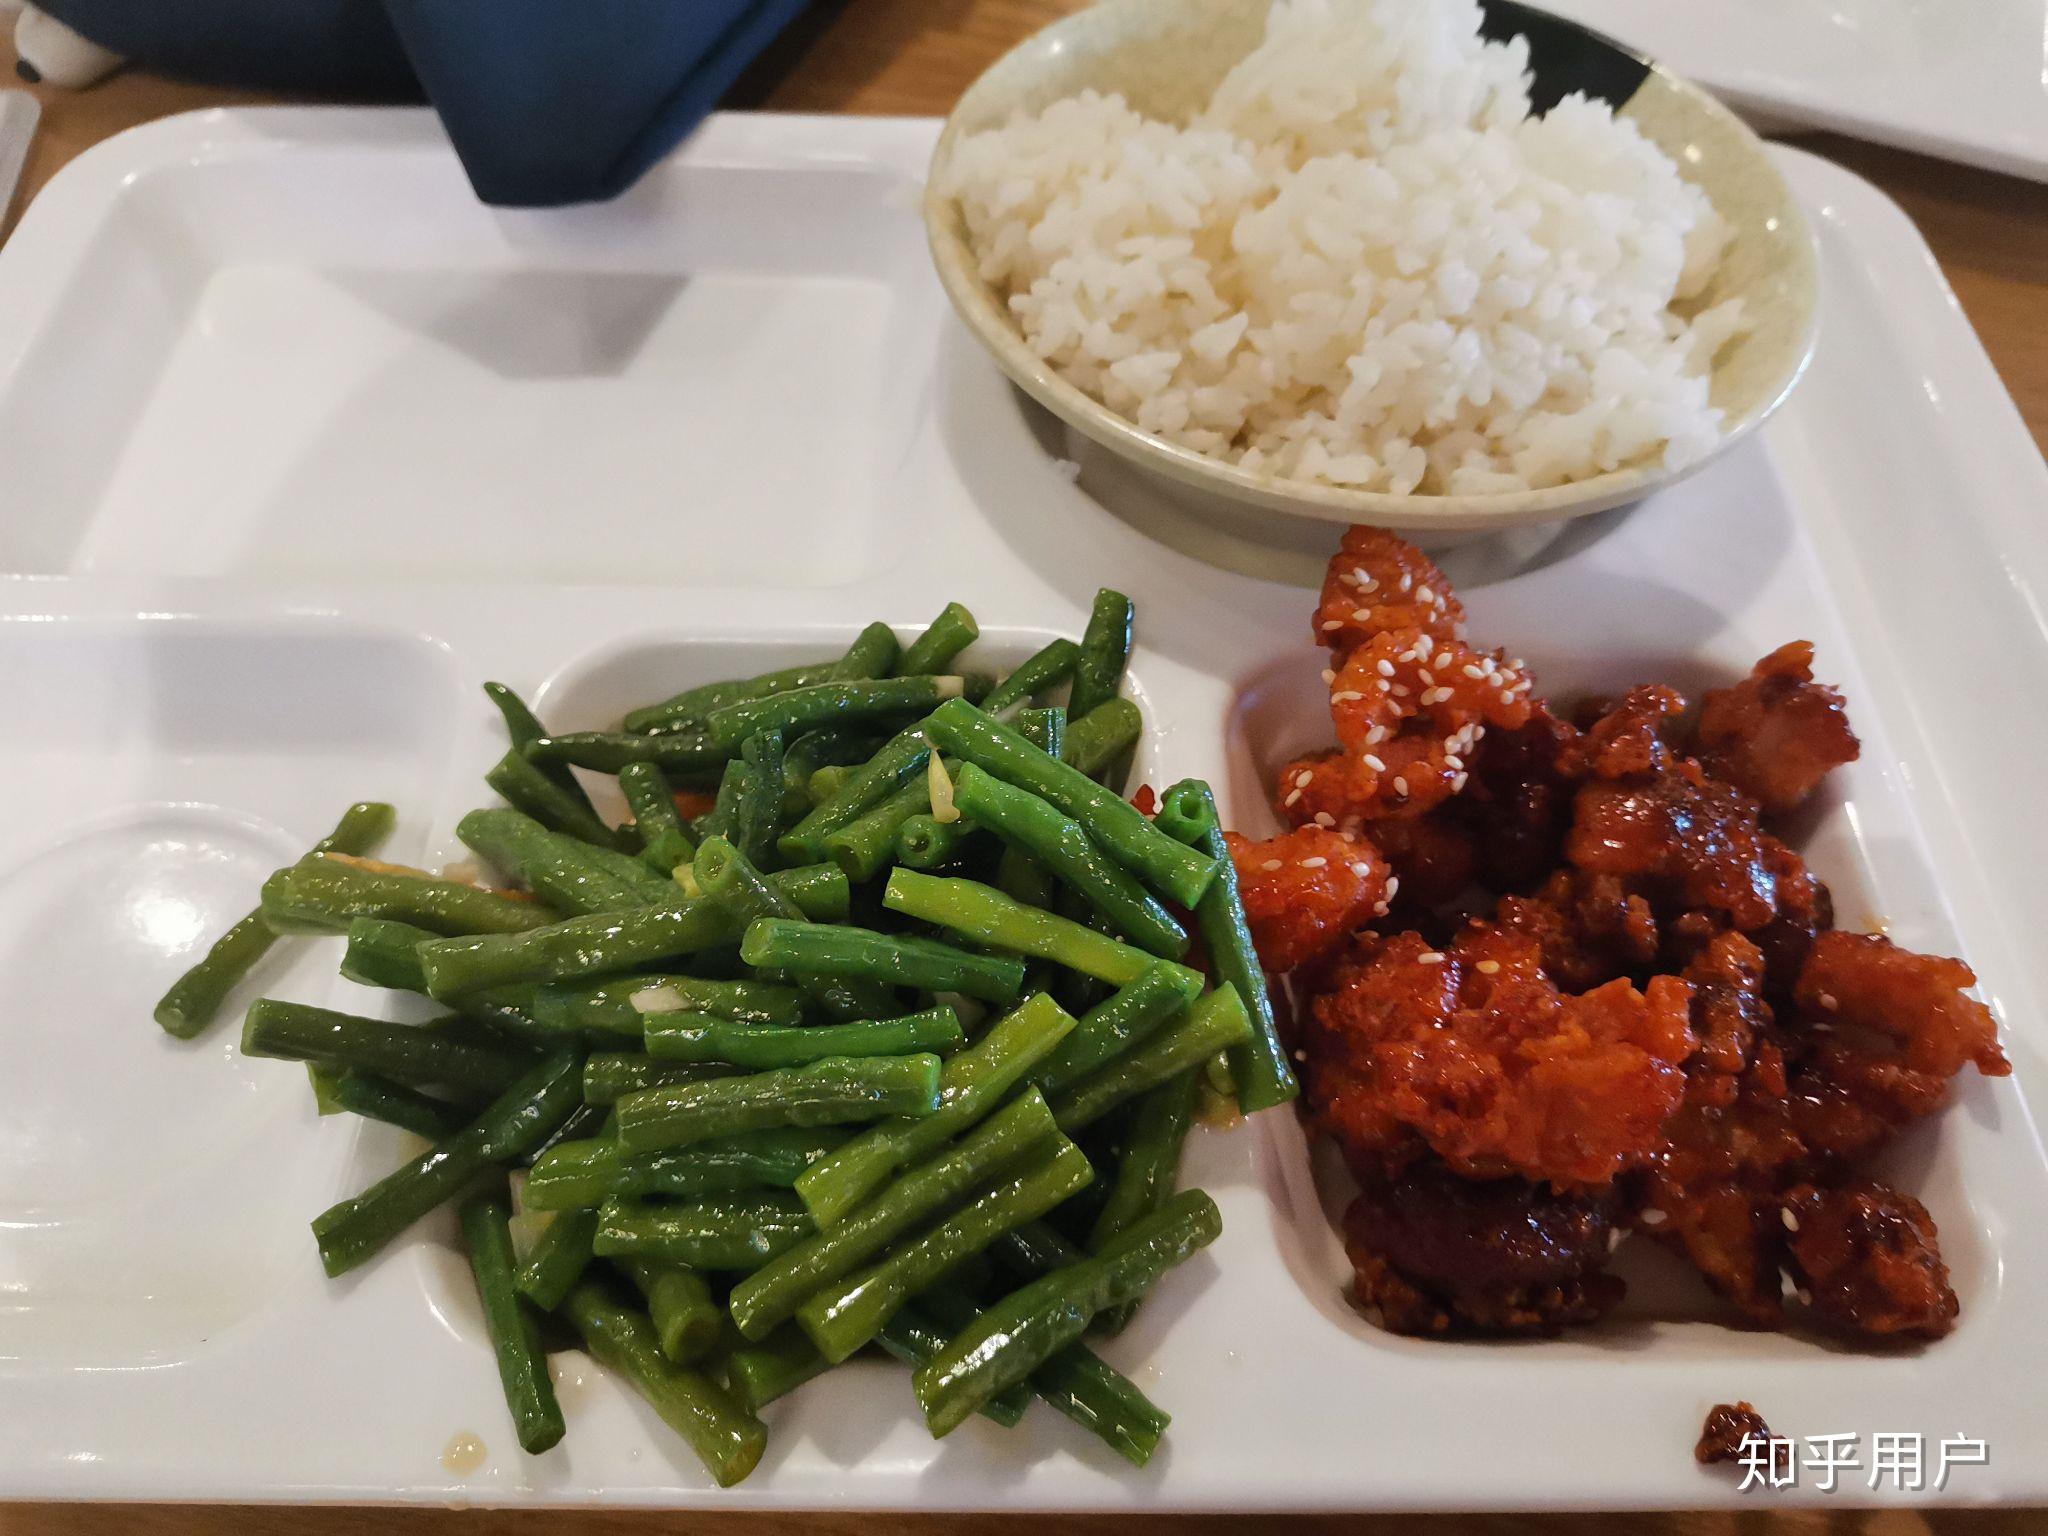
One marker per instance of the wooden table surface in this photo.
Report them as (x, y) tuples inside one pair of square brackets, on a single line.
[(914, 57)]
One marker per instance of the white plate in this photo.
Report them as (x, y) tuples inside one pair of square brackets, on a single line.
[(1963, 79), (302, 444)]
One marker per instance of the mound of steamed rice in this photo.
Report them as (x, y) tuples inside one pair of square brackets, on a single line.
[(1364, 263)]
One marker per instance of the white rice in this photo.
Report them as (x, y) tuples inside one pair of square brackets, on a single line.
[(1364, 264)]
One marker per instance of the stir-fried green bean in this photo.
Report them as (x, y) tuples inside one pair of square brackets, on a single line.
[(831, 1092), (515, 1334)]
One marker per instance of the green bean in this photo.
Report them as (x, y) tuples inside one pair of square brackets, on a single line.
[(831, 704), (1023, 879), (692, 759), (1186, 813), (515, 1333), (727, 1439), (652, 800), (735, 785), (559, 1257), (772, 1293), (916, 1333), (526, 787), (1215, 1023), (582, 1123), (986, 916), (1261, 1067), (813, 750), (406, 1053), (621, 1005), (827, 781), (972, 1083), (924, 842), (1105, 652), (609, 1076), (865, 846), (579, 1173), (760, 1373), (347, 1090), (195, 998), (1075, 1381), (836, 1091), (734, 1231), (759, 1047), (1034, 1249), (689, 709), (604, 943), (1146, 1176), (1045, 729), (522, 728), (1044, 670), (757, 819), (687, 1320), (324, 893), (874, 653), (570, 876), (847, 1314), (1171, 868), (1022, 820), (933, 651), (827, 949), (894, 764), (517, 1121), (727, 876), (1024, 1330), (1135, 1011), (1098, 738)]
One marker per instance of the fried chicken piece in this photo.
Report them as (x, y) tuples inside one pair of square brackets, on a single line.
[(1378, 582), (1410, 707), (1475, 1053), (1729, 1427), (1806, 908), (1591, 929), (1433, 860), (1435, 1253), (1867, 1261), (1691, 840), (1729, 1014), (1305, 891), (1866, 981), (1626, 740), (1775, 734), (1519, 803)]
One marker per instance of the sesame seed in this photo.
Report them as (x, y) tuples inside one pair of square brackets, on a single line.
[(1407, 581), (1361, 615), (1444, 659), (1393, 885), (1379, 909), (1400, 690), (1791, 1221), (1805, 1297), (1376, 735), (1315, 863), (1474, 673), (1458, 784), (1489, 967), (1346, 696), (1303, 779), (1292, 797), (1328, 676), (1652, 1217), (1384, 667), (1506, 697), (1452, 760), (1400, 786), (1424, 595), (1374, 763), (1325, 819), (1828, 1001), (1270, 865), (1425, 674), (1787, 1286), (1366, 580), (1431, 957), (1330, 625), (1360, 867)]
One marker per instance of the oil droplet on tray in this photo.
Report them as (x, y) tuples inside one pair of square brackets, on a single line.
[(465, 1454)]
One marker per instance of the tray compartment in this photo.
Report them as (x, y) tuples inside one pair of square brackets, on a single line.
[(252, 381), (162, 770)]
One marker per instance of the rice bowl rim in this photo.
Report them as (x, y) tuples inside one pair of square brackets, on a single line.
[(1783, 306)]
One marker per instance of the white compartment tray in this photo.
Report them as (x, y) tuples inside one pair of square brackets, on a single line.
[(301, 444)]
